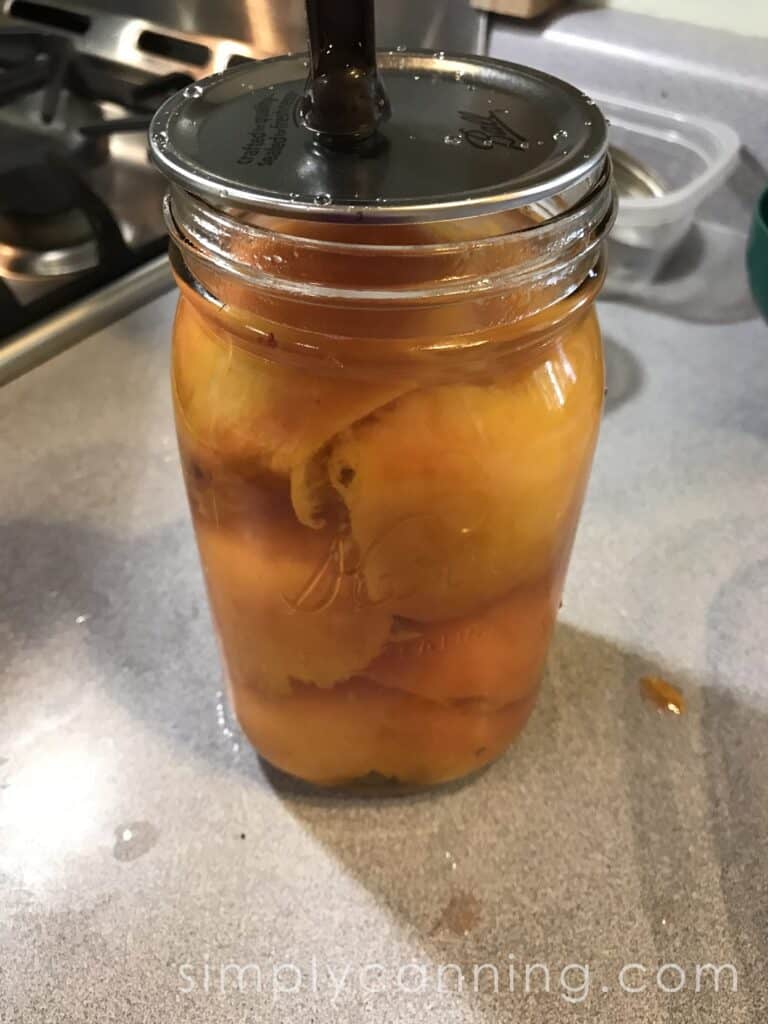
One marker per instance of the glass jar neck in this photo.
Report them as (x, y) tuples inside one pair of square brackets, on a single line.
[(432, 287)]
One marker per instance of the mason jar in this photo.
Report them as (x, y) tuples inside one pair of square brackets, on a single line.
[(386, 429)]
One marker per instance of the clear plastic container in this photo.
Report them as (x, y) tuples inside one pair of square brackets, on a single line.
[(666, 164)]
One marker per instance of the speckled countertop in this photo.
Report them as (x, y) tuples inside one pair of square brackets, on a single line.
[(143, 848), (141, 840)]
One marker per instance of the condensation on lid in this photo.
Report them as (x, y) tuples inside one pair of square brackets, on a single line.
[(467, 136)]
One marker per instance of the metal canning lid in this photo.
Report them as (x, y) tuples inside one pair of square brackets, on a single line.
[(466, 136)]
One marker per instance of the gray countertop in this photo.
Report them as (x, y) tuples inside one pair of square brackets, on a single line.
[(141, 839)]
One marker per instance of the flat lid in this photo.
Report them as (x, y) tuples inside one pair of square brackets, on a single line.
[(466, 136)]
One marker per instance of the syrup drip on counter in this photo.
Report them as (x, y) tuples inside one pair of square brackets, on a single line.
[(460, 916), (664, 695)]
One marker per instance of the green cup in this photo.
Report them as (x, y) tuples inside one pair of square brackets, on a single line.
[(757, 255)]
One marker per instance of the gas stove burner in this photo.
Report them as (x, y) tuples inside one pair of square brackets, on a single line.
[(59, 246), (55, 131), (25, 138), (32, 62), (80, 204), (44, 229)]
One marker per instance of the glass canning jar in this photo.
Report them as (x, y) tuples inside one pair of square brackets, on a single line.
[(386, 432)]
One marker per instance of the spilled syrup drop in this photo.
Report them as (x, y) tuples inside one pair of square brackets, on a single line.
[(460, 916), (664, 695)]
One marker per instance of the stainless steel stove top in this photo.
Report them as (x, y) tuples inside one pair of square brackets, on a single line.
[(48, 170), (81, 232)]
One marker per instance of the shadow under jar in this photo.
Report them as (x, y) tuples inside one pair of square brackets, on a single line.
[(386, 431)]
